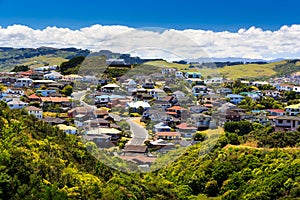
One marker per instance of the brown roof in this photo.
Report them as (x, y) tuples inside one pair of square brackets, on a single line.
[(167, 134), (101, 112), (135, 148), (53, 120), (33, 108), (55, 99), (185, 126), (33, 96), (176, 108)]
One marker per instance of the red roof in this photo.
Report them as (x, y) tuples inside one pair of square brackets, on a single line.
[(208, 105), (176, 108), (33, 96), (185, 126), (276, 110), (171, 113)]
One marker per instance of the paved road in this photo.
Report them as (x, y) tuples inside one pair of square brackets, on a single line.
[(80, 96), (140, 134)]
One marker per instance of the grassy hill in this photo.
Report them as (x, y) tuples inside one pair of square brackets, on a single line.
[(36, 57), (235, 71)]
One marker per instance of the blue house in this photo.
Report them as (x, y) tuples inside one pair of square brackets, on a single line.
[(235, 98), (45, 93), (193, 75)]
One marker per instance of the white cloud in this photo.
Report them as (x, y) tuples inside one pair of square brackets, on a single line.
[(170, 44)]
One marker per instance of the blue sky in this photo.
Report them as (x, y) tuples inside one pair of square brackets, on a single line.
[(207, 15), (234, 28)]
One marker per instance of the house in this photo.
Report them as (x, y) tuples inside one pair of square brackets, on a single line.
[(259, 83), (292, 110), (101, 140), (271, 93), (235, 98), (53, 75), (287, 123), (224, 91), (186, 130), (33, 98), (89, 79), (214, 80), (199, 90), (67, 129), (135, 105), (23, 82), (161, 127), (37, 112), (112, 132), (276, 112), (84, 110), (53, 120), (102, 100), (198, 109), (209, 98), (72, 77), (129, 85), (168, 135), (162, 145), (110, 87), (40, 83), (17, 104), (157, 93), (149, 85), (135, 149), (45, 93), (179, 94), (296, 89), (177, 111), (193, 75), (195, 81), (252, 95), (284, 87), (179, 74), (201, 121), (100, 113)]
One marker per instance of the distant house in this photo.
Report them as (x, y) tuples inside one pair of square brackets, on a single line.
[(292, 110), (179, 94), (179, 74), (129, 85), (67, 129), (198, 109), (284, 87), (157, 93), (276, 112), (186, 130), (271, 93), (224, 91), (235, 98), (287, 123), (37, 112), (110, 87), (193, 75), (214, 80), (15, 91), (161, 127), (45, 93), (252, 95), (135, 105), (209, 98), (168, 135), (16, 104), (296, 89), (201, 121), (53, 76), (177, 111), (199, 90), (23, 82)]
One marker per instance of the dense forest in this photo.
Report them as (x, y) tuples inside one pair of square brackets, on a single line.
[(38, 161)]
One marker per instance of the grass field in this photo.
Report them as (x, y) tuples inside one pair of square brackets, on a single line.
[(232, 72), (42, 60)]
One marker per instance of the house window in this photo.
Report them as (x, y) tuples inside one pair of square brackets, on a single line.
[(288, 121), (280, 121)]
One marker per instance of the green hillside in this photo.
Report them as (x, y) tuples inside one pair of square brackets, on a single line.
[(38, 161), (237, 71)]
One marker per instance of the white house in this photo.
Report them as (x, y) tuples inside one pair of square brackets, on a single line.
[(292, 110), (53, 76), (161, 127), (224, 91), (296, 89), (287, 123), (179, 74), (157, 93), (23, 82), (214, 80), (16, 104), (37, 112), (272, 93), (135, 105), (67, 129), (284, 87)]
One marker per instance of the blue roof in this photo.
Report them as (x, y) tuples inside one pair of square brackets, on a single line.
[(234, 95)]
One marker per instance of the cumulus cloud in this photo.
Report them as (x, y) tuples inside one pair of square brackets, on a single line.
[(169, 44)]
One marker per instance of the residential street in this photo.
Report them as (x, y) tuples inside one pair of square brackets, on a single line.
[(140, 134)]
